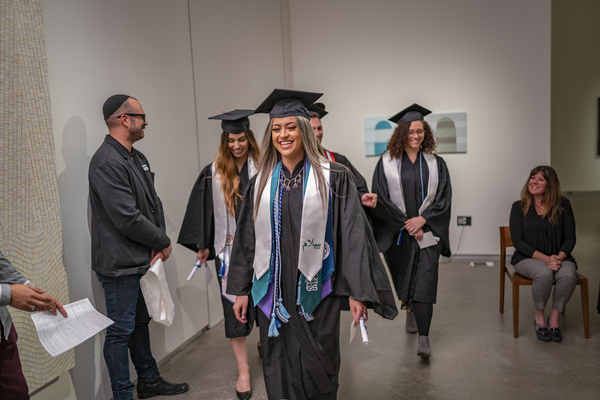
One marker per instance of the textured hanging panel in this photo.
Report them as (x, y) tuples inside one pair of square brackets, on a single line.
[(30, 223)]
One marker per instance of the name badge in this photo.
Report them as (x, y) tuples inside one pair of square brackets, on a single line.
[(145, 167)]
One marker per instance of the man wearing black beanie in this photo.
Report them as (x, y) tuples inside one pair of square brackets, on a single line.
[(128, 235)]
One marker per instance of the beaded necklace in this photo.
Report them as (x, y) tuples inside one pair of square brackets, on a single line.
[(297, 180)]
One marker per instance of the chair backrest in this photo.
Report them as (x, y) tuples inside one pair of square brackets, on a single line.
[(505, 241)]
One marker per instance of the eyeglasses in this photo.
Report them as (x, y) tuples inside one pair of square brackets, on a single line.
[(417, 132), (142, 116)]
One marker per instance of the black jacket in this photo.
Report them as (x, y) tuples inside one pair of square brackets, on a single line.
[(128, 220), (534, 233)]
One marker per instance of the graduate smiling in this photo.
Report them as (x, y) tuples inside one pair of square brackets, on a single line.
[(303, 248)]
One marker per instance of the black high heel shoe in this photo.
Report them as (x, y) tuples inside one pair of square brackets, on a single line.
[(244, 395), (541, 333), (555, 333)]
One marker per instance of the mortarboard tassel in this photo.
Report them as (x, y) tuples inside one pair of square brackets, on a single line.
[(282, 313), (273, 332)]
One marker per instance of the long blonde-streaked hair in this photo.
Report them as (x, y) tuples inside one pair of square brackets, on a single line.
[(225, 166), (270, 156), (552, 196)]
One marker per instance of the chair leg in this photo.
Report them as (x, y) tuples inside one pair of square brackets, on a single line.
[(586, 308), (515, 309), (502, 292)]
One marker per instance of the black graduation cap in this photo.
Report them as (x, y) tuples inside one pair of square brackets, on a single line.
[(409, 114), (113, 103), (235, 121), (288, 103), (319, 108)]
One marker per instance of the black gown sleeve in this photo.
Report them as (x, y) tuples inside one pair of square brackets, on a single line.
[(241, 270), (438, 214), (386, 217), (198, 226), (359, 271), (361, 183)]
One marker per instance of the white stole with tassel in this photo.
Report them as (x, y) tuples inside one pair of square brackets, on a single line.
[(392, 170)]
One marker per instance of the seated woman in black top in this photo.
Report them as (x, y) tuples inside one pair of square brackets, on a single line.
[(542, 228)]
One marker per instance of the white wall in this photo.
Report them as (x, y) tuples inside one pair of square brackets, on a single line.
[(144, 48), (490, 59), (575, 93), (238, 59)]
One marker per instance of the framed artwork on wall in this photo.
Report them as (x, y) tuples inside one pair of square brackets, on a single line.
[(449, 129)]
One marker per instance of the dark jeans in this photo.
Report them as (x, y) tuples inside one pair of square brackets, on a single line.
[(125, 305), (12, 382)]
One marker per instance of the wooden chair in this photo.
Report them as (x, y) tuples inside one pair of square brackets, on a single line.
[(519, 280)]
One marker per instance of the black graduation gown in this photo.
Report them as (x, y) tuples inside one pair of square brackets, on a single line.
[(414, 271), (198, 232), (361, 183), (303, 361)]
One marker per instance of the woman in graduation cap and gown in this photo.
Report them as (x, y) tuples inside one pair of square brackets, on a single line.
[(303, 246), (413, 211), (209, 224)]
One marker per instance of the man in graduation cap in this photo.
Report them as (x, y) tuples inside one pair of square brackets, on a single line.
[(317, 113), (412, 218), (303, 244), (128, 235)]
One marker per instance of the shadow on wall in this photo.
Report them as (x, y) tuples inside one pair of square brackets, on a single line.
[(73, 189)]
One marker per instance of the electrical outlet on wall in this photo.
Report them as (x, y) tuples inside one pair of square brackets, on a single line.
[(464, 221)]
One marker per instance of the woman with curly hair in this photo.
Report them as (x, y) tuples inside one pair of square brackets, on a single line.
[(209, 224), (412, 218), (542, 228)]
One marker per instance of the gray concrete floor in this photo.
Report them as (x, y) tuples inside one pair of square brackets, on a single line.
[(475, 355)]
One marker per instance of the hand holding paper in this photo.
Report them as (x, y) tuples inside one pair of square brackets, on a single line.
[(58, 334), (358, 310), (428, 240), (207, 273), (363, 331)]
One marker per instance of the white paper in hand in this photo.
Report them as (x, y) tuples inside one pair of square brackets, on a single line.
[(363, 331), (156, 294), (59, 334), (207, 273), (428, 240)]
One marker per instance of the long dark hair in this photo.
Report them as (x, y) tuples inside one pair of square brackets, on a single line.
[(225, 166), (552, 196), (399, 140), (270, 156)]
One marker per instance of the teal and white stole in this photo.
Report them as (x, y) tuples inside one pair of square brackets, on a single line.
[(315, 261), (224, 226)]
